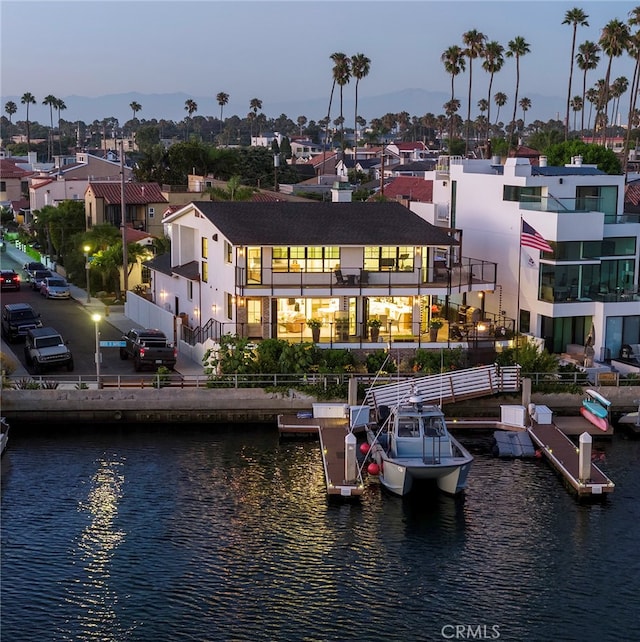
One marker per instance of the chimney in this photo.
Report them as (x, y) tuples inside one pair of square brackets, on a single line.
[(542, 162), (341, 192)]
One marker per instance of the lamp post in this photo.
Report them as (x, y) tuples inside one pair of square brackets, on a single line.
[(276, 164), (96, 319), (86, 249)]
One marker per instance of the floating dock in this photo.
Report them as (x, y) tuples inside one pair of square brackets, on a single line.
[(343, 476), (564, 456)]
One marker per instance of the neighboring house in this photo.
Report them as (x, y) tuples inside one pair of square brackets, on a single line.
[(262, 269), (52, 191), (90, 167), (144, 203), (14, 180), (587, 285), (408, 188)]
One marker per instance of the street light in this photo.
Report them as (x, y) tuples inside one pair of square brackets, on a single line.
[(276, 164), (96, 319), (86, 249)]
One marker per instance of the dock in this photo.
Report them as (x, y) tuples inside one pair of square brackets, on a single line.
[(564, 456), (332, 433)]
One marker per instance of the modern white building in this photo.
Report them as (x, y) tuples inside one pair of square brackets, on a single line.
[(587, 286)]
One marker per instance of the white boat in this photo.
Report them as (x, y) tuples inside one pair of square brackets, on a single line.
[(632, 419), (4, 434), (412, 444)]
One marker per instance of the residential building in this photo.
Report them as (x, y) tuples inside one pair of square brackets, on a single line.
[(263, 269), (585, 288), (14, 181)]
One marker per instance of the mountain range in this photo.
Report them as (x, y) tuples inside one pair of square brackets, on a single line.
[(170, 106)]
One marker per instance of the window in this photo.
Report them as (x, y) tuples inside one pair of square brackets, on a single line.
[(229, 306), (305, 259), (521, 194), (204, 243), (591, 198), (152, 212), (146, 274), (205, 272), (3, 186), (385, 259), (190, 290), (254, 311), (228, 252)]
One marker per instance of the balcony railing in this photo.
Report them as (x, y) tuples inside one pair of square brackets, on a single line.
[(561, 205)]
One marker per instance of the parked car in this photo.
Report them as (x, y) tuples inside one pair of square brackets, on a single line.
[(38, 278), (31, 267), (17, 320), (45, 348), (148, 348), (9, 280), (55, 287)]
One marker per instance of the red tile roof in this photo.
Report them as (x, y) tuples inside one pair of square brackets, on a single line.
[(410, 146), (135, 236), (134, 193), (632, 193), (9, 169), (416, 189)]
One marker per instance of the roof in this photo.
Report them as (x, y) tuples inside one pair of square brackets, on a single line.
[(162, 263), (632, 193), (134, 193), (9, 169), (411, 187), (135, 236), (573, 170), (282, 223)]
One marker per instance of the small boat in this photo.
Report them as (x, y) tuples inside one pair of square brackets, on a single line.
[(595, 409), (410, 443), (632, 419), (4, 434), (597, 421)]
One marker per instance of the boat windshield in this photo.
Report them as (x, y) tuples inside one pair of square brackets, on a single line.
[(408, 427), (434, 426)]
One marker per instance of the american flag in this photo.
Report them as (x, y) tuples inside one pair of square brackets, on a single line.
[(530, 238)]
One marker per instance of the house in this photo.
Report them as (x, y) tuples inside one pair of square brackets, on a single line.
[(14, 181), (587, 285), (263, 269)]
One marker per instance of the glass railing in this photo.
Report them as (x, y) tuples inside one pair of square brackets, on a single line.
[(560, 205)]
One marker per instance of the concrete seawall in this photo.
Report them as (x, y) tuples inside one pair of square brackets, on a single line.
[(236, 405)]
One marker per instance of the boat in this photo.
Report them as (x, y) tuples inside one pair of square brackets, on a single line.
[(595, 409), (631, 420), (410, 443), (4, 434)]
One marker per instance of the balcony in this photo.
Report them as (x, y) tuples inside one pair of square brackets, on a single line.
[(391, 280)]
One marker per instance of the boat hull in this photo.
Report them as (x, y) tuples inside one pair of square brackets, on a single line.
[(598, 422)]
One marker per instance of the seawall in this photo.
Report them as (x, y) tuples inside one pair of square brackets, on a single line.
[(237, 405)]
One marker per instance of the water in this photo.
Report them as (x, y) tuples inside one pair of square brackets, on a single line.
[(188, 533)]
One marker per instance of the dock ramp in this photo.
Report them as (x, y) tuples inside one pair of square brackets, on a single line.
[(513, 444)]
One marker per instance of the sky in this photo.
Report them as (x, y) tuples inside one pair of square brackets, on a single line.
[(280, 51)]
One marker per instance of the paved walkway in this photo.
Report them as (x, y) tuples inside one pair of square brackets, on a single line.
[(114, 315)]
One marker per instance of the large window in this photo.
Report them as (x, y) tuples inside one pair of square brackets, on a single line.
[(521, 194), (385, 259), (205, 271), (592, 198), (204, 242), (305, 259)]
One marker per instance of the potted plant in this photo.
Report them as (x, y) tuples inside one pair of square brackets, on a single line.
[(315, 325), (434, 326), (374, 329)]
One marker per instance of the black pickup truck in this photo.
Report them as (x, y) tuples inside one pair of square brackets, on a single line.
[(149, 349)]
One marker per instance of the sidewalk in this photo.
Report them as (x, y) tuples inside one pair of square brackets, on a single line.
[(113, 315)]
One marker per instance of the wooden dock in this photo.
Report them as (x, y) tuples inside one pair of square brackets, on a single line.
[(332, 432), (563, 455)]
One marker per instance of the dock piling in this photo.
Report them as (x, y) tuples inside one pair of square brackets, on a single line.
[(584, 467)]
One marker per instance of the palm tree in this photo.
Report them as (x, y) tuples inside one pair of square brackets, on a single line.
[(525, 105), (60, 106), (222, 100), (341, 76), (454, 63), (51, 101), (474, 41), (613, 40), (302, 121), (254, 105), (633, 48), (518, 47), (11, 108), (576, 105), (191, 107), (28, 99), (592, 96), (135, 108), (576, 17), (617, 89), (360, 67), (587, 59), (500, 99), (493, 62)]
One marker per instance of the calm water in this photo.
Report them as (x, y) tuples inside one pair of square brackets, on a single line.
[(226, 534)]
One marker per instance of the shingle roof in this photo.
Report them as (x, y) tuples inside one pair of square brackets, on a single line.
[(282, 223), (134, 193), (9, 169), (417, 189), (574, 170), (162, 264), (632, 193)]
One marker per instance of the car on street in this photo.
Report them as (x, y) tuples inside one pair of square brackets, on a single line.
[(55, 287), (17, 320), (31, 267), (9, 280), (38, 278), (45, 348)]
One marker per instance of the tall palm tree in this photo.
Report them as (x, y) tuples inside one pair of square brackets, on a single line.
[(575, 17), (613, 40), (493, 62), (341, 75), (254, 105), (618, 87), (500, 99), (360, 67), (28, 99), (454, 63), (592, 96), (222, 99), (525, 105), (483, 105), (51, 101), (518, 47), (587, 59), (11, 108), (474, 41), (191, 107), (302, 121), (60, 106), (135, 108), (633, 49), (576, 105)]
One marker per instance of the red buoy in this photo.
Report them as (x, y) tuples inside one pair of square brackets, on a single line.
[(364, 448), (373, 468)]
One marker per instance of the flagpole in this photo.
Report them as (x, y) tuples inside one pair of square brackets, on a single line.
[(517, 335)]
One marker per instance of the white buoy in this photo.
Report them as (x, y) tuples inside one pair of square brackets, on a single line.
[(584, 468), (350, 462)]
